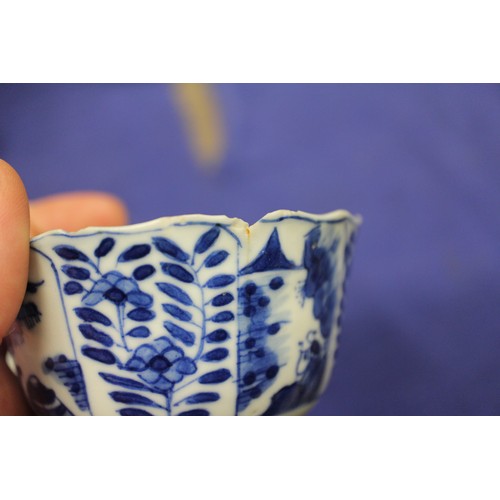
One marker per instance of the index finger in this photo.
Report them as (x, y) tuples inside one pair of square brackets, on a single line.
[(14, 245)]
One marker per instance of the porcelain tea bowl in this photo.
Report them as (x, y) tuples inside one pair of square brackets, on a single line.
[(188, 315)]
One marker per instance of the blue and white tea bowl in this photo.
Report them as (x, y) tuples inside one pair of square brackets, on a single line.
[(188, 315)]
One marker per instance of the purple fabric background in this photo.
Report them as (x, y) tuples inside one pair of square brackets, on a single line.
[(421, 163)]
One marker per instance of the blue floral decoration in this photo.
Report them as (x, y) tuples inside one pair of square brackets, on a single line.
[(319, 282), (117, 288), (161, 364), (214, 330)]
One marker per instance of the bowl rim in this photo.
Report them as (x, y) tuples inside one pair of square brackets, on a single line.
[(335, 216)]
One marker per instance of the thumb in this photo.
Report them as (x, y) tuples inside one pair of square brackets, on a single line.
[(14, 245)]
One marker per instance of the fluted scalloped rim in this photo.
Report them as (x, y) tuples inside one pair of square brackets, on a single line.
[(336, 215)]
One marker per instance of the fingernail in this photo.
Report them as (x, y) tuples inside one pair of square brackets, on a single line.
[(14, 335)]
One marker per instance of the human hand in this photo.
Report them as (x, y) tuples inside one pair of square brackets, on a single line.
[(18, 221)]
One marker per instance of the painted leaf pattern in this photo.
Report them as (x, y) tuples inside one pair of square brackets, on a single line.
[(195, 326)]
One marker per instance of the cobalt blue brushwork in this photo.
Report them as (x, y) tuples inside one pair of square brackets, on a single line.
[(193, 315), (29, 313)]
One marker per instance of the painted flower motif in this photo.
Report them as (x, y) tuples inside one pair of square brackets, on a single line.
[(319, 283), (161, 364), (115, 287)]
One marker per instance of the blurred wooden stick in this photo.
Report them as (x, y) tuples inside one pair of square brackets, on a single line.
[(201, 113)]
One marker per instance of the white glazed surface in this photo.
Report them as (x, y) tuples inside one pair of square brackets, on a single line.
[(100, 336)]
